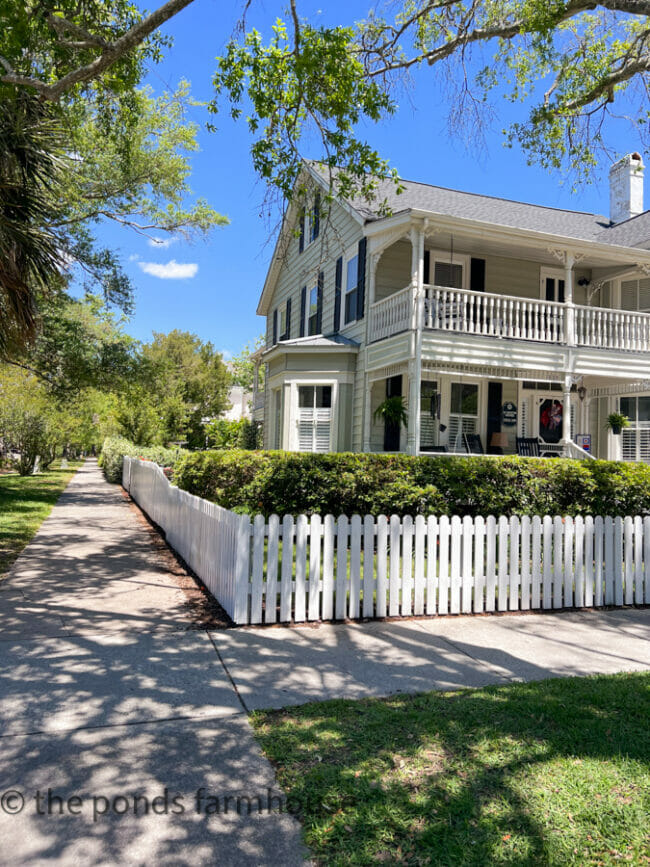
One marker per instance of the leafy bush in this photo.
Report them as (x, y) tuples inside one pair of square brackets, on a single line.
[(300, 483), (114, 449), (240, 434)]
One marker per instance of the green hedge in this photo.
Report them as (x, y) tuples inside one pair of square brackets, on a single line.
[(114, 449), (294, 483)]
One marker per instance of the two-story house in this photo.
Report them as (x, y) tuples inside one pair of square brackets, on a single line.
[(491, 318)]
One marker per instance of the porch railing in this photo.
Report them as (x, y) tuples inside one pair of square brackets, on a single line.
[(494, 315), (612, 329), (391, 315), (491, 315)]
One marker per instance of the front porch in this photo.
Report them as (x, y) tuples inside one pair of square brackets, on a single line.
[(485, 411)]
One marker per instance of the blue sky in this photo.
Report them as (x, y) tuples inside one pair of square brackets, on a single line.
[(218, 282)]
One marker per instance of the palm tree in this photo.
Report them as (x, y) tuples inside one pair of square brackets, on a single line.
[(32, 161)]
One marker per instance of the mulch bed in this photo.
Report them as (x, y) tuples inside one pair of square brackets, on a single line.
[(204, 612)]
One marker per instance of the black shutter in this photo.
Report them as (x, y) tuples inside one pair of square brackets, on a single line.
[(303, 305), (301, 240), (287, 333), (316, 218), (319, 307), (275, 327), (361, 279), (494, 404), (477, 275), (337, 293), (427, 266)]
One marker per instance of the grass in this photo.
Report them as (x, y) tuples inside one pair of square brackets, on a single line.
[(25, 502), (554, 772)]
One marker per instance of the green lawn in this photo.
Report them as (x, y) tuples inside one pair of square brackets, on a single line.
[(25, 502), (555, 772)]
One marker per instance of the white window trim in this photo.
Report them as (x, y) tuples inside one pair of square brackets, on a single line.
[(348, 255), (446, 258), (294, 444), (444, 387), (311, 285), (282, 308)]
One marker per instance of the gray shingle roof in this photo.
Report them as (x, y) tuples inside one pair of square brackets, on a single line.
[(505, 212)]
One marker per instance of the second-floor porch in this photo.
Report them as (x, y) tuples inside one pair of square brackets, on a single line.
[(509, 317)]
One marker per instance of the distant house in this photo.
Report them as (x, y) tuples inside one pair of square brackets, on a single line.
[(240, 404), (501, 325)]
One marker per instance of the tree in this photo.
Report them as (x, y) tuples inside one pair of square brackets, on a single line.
[(53, 48), (31, 171), (80, 344), (571, 59), (81, 143), (187, 381), (242, 367)]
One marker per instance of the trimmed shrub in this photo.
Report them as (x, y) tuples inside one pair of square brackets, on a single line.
[(302, 483), (229, 434), (114, 449)]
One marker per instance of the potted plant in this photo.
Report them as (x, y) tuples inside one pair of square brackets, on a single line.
[(393, 411), (616, 421)]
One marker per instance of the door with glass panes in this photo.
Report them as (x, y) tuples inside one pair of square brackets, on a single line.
[(463, 413), (314, 418)]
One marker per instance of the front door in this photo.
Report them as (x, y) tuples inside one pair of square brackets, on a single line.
[(549, 413)]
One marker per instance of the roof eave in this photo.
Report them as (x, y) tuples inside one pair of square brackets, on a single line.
[(617, 252)]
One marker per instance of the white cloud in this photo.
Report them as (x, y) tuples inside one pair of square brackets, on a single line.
[(173, 270), (163, 243), (134, 257)]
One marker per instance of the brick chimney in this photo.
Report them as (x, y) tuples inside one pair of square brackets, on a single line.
[(626, 188)]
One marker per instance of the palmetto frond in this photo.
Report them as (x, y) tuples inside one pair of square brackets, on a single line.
[(32, 163)]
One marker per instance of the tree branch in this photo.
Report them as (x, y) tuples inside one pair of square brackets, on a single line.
[(111, 53)]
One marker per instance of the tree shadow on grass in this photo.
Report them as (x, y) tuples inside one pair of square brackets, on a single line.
[(551, 772)]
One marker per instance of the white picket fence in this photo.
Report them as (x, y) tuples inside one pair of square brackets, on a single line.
[(316, 568)]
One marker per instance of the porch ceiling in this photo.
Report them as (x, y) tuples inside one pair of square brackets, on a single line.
[(473, 245)]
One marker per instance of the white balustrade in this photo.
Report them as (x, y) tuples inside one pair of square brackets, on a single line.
[(494, 315), (490, 315), (612, 329), (391, 315)]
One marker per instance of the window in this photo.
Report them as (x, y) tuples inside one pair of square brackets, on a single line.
[(309, 224), (284, 319), (312, 312), (448, 274), (552, 285), (448, 270), (635, 294), (635, 439), (429, 415), (463, 413), (314, 418), (314, 219), (351, 284)]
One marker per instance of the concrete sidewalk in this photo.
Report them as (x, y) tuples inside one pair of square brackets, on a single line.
[(278, 667), (105, 694)]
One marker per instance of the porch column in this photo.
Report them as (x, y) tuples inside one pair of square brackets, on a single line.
[(570, 332), (367, 406), (566, 414), (415, 365)]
